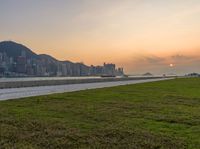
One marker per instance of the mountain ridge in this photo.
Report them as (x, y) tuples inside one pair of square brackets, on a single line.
[(15, 49), (17, 59)]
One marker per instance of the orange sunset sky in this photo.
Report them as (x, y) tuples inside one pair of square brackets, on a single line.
[(158, 36)]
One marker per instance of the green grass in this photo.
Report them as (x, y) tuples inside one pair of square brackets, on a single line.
[(158, 115)]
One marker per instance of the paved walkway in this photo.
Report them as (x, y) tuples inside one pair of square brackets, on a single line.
[(16, 93)]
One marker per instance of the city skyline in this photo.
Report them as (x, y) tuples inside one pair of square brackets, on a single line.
[(141, 36), (17, 60)]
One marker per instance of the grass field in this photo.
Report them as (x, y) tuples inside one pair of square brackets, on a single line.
[(158, 115)]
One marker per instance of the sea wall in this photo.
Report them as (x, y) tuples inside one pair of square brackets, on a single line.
[(18, 84)]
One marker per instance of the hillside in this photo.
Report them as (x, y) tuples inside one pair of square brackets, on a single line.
[(18, 60), (13, 49)]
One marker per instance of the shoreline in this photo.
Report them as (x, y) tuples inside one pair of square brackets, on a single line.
[(67, 81), (17, 93)]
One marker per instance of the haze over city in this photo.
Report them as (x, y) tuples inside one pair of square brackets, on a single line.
[(154, 36)]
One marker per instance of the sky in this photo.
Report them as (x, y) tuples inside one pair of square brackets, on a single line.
[(157, 36)]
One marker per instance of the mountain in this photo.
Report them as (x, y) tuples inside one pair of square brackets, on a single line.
[(47, 58), (13, 49), (148, 74), (18, 60)]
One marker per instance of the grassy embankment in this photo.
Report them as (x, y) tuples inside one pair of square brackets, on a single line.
[(163, 114)]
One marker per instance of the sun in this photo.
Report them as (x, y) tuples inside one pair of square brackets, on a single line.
[(171, 65)]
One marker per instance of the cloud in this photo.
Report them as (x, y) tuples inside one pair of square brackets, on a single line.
[(182, 57), (159, 65), (154, 59), (185, 60)]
